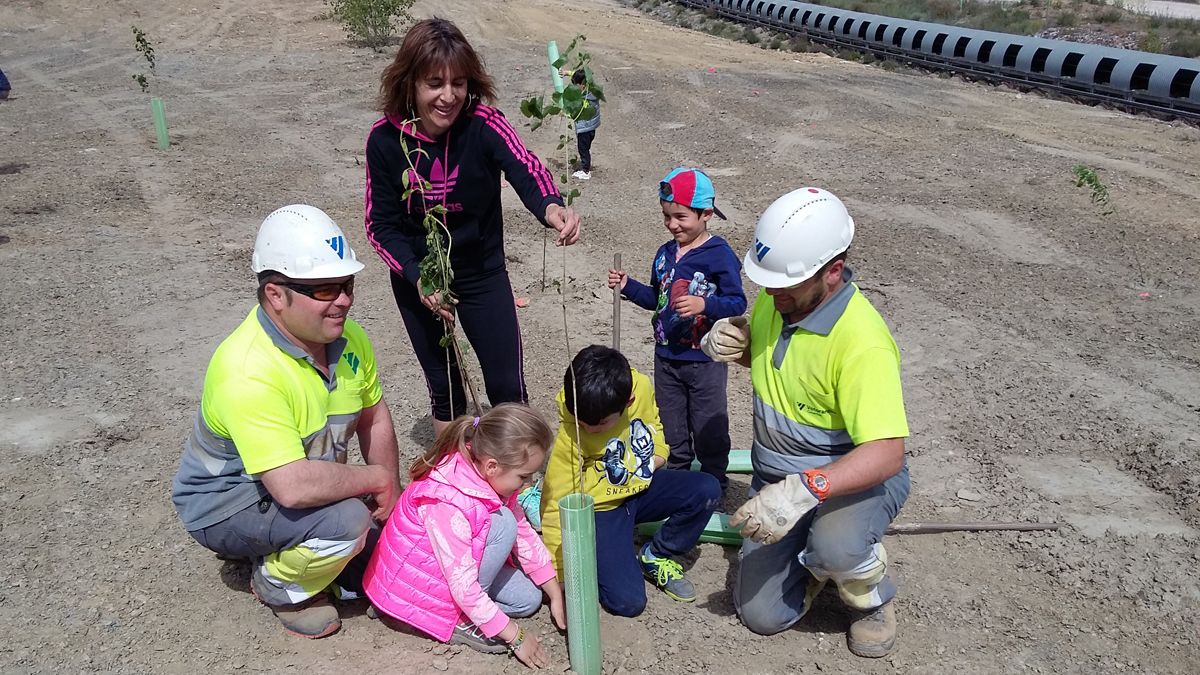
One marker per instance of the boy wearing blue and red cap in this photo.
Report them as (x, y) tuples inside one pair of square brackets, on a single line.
[(694, 281)]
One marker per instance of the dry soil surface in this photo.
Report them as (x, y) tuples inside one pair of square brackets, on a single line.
[(1050, 352)]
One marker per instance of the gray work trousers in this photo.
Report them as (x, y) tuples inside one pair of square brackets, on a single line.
[(297, 553), (839, 541)]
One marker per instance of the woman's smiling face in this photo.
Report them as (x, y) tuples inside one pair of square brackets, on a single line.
[(440, 97)]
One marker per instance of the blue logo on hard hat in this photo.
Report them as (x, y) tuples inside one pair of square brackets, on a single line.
[(338, 244), (760, 250)]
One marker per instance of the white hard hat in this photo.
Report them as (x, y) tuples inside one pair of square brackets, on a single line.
[(796, 236), (302, 242)]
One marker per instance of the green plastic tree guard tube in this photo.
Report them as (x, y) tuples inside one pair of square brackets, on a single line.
[(555, 76), (578, 515), (739, 462), (717, 531), (160, 123)]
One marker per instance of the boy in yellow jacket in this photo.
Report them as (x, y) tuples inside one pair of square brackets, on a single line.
[(621, 451)]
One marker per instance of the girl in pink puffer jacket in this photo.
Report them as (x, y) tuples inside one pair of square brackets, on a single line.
[(444, 559)]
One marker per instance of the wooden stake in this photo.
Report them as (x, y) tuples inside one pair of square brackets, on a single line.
[(617, 306)]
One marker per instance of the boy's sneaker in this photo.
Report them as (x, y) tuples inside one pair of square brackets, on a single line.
[(530, 500), (468, 634), (667, 575), (582, 175)]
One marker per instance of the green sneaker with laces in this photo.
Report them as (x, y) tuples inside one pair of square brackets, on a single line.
[(667, 575)]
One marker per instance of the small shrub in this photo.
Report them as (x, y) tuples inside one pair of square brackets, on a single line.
[(799, 44), (776, 43), (1150, 42), (372, 22), (940, 10), (1067, 19), (749, 35), (889, 65), (1184, 45), (1110, 15), (868, 58)]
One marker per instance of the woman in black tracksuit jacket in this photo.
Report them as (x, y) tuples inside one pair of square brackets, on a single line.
[(438, 80)]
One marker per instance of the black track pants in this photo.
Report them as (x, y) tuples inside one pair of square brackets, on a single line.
[(488, 317)]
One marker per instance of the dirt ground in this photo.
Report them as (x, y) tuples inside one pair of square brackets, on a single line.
[(1050, 352)]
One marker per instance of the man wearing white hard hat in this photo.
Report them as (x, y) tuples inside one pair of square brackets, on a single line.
[(829, 427), (264, 473)]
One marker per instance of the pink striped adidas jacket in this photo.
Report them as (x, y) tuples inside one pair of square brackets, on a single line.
[(463, 167)]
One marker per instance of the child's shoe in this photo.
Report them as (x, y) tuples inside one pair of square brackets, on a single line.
[(667, 575), (582, 175), (468, 634)]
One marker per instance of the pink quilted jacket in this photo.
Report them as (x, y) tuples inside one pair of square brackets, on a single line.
[(425, 568)]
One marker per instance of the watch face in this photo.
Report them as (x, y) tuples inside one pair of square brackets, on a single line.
[(820, 483)]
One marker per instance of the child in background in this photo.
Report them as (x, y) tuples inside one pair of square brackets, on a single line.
[(695, 280), (442, 564), (621, 451), (585, 128)]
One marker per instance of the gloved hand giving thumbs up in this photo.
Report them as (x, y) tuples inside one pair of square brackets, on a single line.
[(727, 340)]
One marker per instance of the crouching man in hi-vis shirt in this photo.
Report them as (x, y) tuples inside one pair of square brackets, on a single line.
[(264, 473), (829, 427)]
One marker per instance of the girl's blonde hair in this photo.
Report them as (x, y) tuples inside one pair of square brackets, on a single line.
[(506, 433)]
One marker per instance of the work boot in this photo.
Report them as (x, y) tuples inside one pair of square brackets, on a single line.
[(314, 618), (873, 633)]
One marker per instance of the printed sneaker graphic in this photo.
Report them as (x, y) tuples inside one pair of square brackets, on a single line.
[(642, 443), (614, 462)]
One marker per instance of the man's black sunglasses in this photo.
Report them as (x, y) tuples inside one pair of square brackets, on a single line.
[(322, 292)]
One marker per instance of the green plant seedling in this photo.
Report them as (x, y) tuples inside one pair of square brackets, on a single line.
[(142, 45), (1086, 176), (436, 274)]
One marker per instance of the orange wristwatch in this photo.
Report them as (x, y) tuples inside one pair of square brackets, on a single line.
[(817, 483)]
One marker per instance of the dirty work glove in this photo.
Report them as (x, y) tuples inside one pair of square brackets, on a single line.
[(775, 510), (727, 339)]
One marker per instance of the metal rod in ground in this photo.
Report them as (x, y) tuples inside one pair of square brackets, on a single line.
[(719, 531), (617, 306), (934, 528), (577, 511), (160, 123)]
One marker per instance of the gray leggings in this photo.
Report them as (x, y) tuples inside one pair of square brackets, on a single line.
[(509, 587)]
